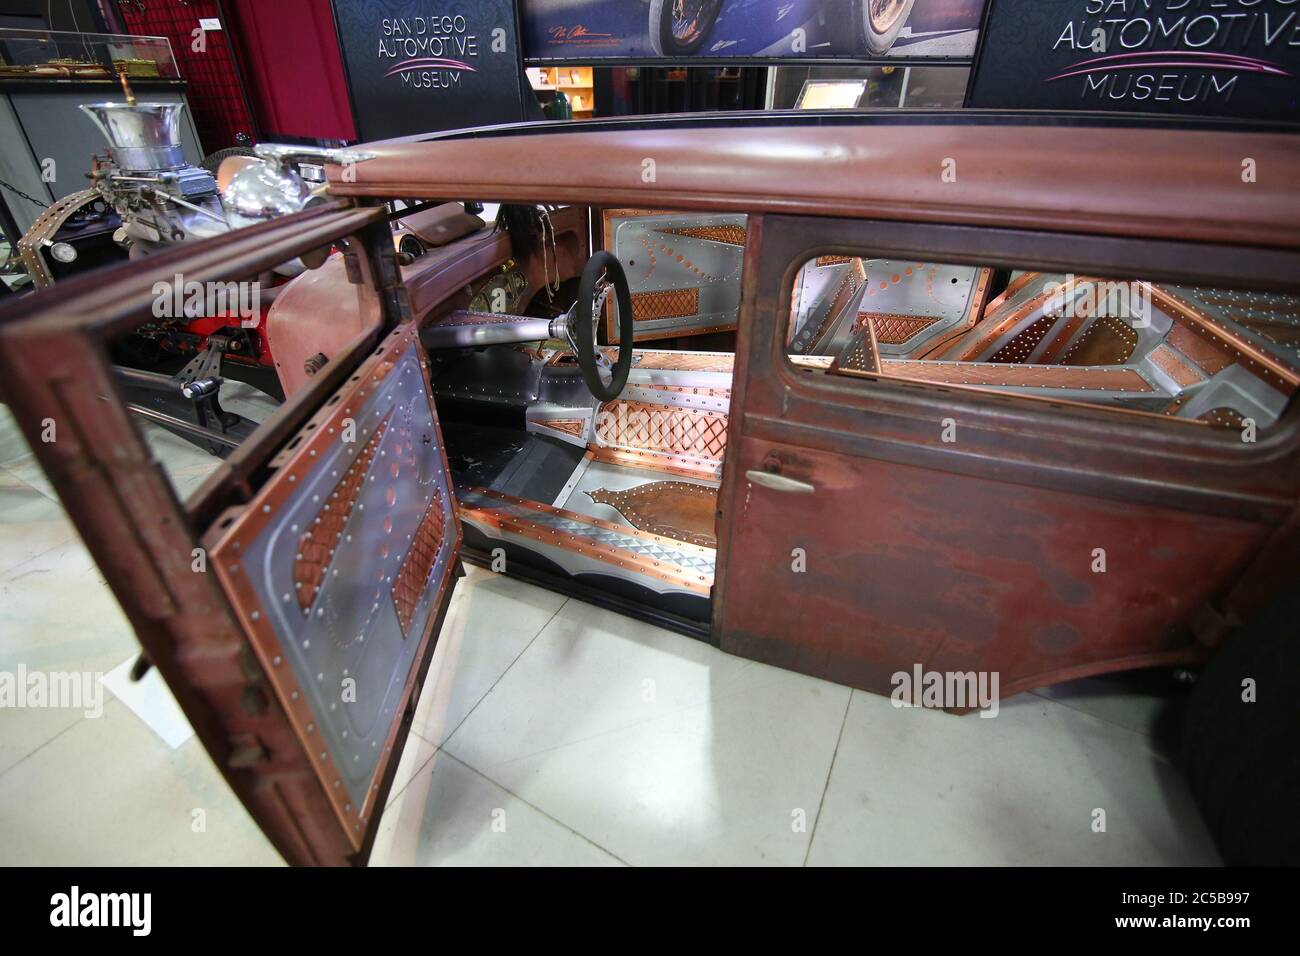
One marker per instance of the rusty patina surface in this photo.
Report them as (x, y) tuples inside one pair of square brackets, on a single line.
[(1040, 545)]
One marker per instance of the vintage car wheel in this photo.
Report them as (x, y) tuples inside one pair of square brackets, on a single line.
[(602, 274), (881, 21), (1242, 758), (680, 27)]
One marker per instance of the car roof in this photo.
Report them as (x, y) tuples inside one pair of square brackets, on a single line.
[(1203, 180)]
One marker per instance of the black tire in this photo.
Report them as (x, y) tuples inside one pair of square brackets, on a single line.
[(666, 41), (212, 161), (877, 41), (1243, 759)]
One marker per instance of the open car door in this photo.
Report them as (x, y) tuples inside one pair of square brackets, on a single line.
[(293, 604)]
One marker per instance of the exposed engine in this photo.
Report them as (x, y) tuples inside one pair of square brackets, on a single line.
[(144, 198), (160, 198)]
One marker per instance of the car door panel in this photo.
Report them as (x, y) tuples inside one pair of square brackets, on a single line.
[(683, 268), (193, 578), (337, 565), (978, 553)]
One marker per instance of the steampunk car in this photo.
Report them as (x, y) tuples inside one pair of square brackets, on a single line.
[(847, 395)]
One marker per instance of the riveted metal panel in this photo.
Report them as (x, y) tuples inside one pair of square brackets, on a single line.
[(336, 567)]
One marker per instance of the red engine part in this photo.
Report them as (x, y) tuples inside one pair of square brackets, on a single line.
[(259, 350)]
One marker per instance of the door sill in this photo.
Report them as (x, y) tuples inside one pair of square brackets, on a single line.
[(562, 583)]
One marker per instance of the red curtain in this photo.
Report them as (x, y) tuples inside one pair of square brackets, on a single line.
[(216, 100), (290, 54)]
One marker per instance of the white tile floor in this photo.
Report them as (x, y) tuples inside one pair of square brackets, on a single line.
[(552, 732)]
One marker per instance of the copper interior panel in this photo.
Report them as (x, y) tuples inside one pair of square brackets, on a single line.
[(679, 510), (413, 577), (1065, 332), (1021, 345), (317, 544), (657, 461), (1107, 341), (1273, 317), (1264, 365), (577, 427), (1207, 355), (668, 429), (556, 526), (665, 304), (685, 361), (1169, 362), (731, 235), (992, 326), (892, 329), (1018, 376)]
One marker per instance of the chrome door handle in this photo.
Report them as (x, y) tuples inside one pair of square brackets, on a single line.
[(770, 479)]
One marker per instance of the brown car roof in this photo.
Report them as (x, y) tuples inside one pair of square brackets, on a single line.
[(1180, 183)]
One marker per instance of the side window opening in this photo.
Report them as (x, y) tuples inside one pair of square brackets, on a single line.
[(1228, 359)]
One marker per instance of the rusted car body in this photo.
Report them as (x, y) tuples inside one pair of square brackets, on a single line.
[(861, 523)]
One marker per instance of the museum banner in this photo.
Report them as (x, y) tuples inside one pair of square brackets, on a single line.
[(415, 66), (1237, 58), (586, 31)]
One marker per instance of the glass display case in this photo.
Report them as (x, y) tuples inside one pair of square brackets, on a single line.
[(57, 55)]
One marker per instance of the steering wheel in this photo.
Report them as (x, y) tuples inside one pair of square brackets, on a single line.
[(602, 274)]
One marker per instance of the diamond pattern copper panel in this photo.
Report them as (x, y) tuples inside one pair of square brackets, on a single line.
[(317, 544), (577, 427), (414, 574), (893, 329), (731, 235), (665, 304), (642, 426)]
